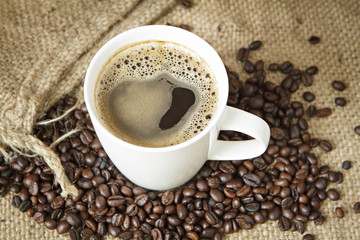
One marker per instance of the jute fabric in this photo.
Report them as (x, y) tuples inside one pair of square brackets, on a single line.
[(46, 47)]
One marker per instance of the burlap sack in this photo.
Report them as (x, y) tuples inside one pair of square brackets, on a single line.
[(46, 47)]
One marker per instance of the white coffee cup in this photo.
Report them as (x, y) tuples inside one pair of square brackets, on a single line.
[(168, 167)]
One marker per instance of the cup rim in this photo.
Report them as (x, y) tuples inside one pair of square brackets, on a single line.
[(156, 32)]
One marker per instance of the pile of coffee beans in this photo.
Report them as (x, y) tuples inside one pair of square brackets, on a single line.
[(285, 184)]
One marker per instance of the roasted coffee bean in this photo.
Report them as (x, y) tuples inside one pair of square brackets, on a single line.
[(39, 217), (314, 39), (174, 221), (306, 79), (311, 111), (286, 67), (16, 201), (323, 112), (320, 220), (340, 101), (252, 207), (25, 205), (217, 195), (323, 169), (312, 70), (274, 67), (211, 218), (333, 194), (50, 224), (274, 214), (321, 183), (132, 210), (284, 224), (339, 212), (346, 165), (340, 177), (308, 236), (243, 54), (333, 177), (326, 145), (356, 207), (116, 201), (167, 198), (252, 180), (249, 67), (255, 45), (245, 221), (113, 230), (127, 235), (73, 219), (308, 96), (338, 85), (62, 227)]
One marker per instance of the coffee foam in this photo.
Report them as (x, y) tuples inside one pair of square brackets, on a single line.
[(148, 63)]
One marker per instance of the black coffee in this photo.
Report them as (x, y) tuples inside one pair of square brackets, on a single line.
[(156, 94)]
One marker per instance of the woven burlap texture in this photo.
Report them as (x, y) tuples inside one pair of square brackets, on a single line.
[(47, 46)]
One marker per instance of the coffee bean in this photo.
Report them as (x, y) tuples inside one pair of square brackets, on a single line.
[(63, 227), (16, 201), (284, 224), (252, 180), (73, 219), (346, 165), (127, 235), (50, 224), (275, 213), (311, 111), (252, 207), (308, 96), (211, 217), (326, 145), (286, 67), (338, 85), (249, 67), (340, 101), (306, 79), (287, 202), (320, 220), (308, 237), (323, 112), (356, 207), (243, 54), (339, 212), (116, 201), (39, 217), (321, 183), (174, 221), (217, 195), (333, 177), (25, 205), (333, 194), (357, 130), (312, 70), (314, 39), (245, 221), (255, 45), (113, 230), (167, 198), (274, 67), (277, 133)]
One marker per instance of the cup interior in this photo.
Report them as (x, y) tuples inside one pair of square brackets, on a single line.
[(160, 33)]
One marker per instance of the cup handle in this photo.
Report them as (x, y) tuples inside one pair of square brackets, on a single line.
[(240, 121)]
